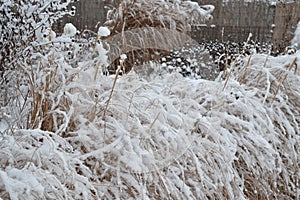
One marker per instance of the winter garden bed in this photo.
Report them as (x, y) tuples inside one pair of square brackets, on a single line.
[(70, 132), (167, 137)]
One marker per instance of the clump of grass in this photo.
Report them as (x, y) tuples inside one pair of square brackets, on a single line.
[(194, 138), (175, 15), (132, 15)]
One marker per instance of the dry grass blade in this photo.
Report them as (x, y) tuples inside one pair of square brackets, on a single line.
[(293, 64), (260, 72), (228, 74), (243, 77), (279, 85), (111, 94)]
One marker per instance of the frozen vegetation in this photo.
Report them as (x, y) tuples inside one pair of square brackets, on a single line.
[(70, 132)]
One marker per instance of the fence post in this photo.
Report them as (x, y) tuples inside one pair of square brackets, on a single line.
[(286, 18)]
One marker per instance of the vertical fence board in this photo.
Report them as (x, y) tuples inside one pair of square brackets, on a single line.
[(88, 14), (236, 19), (286, 18)]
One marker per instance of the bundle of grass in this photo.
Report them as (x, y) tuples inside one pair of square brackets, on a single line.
[(136, 14), (27, 49), (170, 14), (274, 83), (193, 139), (145, 44)]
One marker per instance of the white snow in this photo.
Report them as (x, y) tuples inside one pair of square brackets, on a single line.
[(103, 31), (3, 126), (70, 30), (20, 184), (123, 57)]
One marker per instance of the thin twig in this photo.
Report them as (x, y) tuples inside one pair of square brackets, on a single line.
[(111, 93)]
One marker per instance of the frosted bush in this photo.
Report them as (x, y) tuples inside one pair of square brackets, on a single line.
[(24, 21), (25, 27), (168, 137), (170, 14)]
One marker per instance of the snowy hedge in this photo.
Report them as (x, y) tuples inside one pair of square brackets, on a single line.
[(193, 139)]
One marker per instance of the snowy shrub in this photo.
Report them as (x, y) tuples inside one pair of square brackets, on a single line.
[(165, 138), (29, 48), (36, 68), (170, 14), (25, 23)]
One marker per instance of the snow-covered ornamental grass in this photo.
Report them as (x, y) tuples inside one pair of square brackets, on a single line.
[(68, 132)]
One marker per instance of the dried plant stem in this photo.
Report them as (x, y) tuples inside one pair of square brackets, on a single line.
[(94, 109), (233, 63), (154, 121), (294, 63), (278, 87), (95, 44), (260, 72), (226, 61), (242, 79), (111, 93), (228, 75)]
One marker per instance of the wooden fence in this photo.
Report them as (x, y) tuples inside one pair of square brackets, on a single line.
[(88, 14), (233, 20), (286, 19)]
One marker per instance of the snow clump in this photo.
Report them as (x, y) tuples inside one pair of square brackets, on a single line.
[(103, 31), (70, 30)]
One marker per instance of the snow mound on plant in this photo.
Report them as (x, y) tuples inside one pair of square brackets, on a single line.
[(70, 30)]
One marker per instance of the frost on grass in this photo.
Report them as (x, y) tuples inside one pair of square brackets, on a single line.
[(164, 137), (169, 14), (134, 24), (25, 23)]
